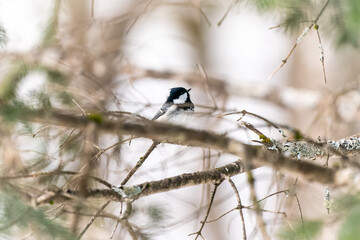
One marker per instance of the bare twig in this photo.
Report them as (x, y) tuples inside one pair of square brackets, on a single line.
[(260, 220), (198, 233), (40, 130), (126, 113), (77, 104), (117, 222), (244, 113), (270, 195), (92, 220), (232, 4), (92, 8), (322, 58), (95, 158), (130, 229), (140, 162), (240, 206), (66, 138), (205, 77), (138, 15), (55, 172), (247, 207), (299, 206), (284, 61), (126, 223), (223, 215)]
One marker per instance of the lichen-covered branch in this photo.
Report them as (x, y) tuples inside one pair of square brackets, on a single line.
[(305, 150), (308, 170), (153, 187)]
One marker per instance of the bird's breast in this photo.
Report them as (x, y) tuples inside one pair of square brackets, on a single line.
[(177, 115)]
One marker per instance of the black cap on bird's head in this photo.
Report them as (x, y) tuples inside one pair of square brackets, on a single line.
[(177, 102), (179, 95)]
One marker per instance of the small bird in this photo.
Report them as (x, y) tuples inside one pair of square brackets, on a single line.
[(177, 107)]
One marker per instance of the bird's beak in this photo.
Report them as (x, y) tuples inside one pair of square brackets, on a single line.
[(189, 89)]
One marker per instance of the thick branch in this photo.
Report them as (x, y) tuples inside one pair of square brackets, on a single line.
[(174, 134), (308, 170), (164, 185)]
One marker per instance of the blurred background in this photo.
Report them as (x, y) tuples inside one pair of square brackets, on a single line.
[(101, 56)]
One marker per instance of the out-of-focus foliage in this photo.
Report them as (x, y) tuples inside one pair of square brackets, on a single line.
[(348, 211), (10, 81), (308, 230), (49, 33), (154, 218), (15, 215), (340, 18), (13, 111), (19, 70), (346, 22), (3, 36), (156, 215), (349, 206)]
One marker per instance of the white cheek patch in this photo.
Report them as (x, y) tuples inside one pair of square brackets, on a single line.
[(181, 99)]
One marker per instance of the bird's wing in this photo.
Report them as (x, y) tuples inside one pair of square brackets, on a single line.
[(162, 110)]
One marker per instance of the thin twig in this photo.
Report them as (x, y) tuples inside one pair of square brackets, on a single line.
[(206, 83), (240, 206), (93, 159), (117, 222), (301, 215), (92, 8), (76, 218), (279, 25), (125, 221), (40, 130), (227, 12), (244, 113), (198, 233), (93, 219), (140, 162), (130, 229), (322, 58), (66, 138), (299, 206), (275, 193), (260, 220), (223, 215), (247, 207), (284, 61), (55, 172), (138, 16), (126, 113), (201, 12), (77, 104)]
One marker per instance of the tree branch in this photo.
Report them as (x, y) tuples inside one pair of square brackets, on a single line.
[(308, 170), (174, 134)]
